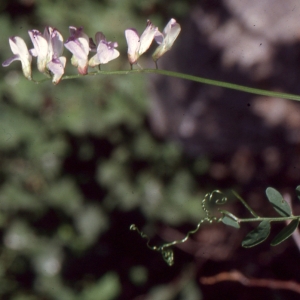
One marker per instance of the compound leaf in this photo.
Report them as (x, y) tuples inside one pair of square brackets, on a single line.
[(278, 203), (285, 233), (258, 235)]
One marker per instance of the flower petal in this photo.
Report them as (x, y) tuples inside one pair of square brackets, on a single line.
[(18, 46), (76, 50), (78, 45), (21, 53), (40, 44), (159, 37), (94, 61), (10, 60), (170, 33), (106, 53), (57, 43), (147, 37), (133, 42), (40, 49), (57, 66)]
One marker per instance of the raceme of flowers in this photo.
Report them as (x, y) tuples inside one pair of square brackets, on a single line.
[(48, 48)]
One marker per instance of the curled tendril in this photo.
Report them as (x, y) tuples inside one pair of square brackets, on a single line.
[(219, 201), (167, 253), (165, 249)]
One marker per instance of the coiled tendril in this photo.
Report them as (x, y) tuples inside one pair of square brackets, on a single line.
[(165, 249)]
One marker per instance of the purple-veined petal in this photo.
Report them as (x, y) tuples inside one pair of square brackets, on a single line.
[(78, 45), (106, 53), (57, 66)]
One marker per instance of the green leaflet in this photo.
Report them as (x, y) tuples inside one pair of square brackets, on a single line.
[(229, 219), (278, 203), (285, 233), (258, 235)]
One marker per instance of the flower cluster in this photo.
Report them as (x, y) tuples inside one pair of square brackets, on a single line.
[(138, 45), (48, 48)]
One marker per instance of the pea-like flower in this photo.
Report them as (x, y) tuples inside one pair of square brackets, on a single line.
[(166, 39), (78, 45), (48, 48), (20, 51), (138, 45), (105, 50)]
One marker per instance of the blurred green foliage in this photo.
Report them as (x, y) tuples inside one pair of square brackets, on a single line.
[(74, 154)]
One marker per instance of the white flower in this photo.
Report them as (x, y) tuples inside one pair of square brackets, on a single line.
[(138, 45), (105, 50), (78, 45), (166, 39), (48, 48), (20, 51), (40, 49)]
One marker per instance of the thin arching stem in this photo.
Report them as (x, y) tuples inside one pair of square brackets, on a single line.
[(191, 78)]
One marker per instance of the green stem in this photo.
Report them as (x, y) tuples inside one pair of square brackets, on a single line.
[(191, 78), (205, 81), (259, 219), (254, 214)]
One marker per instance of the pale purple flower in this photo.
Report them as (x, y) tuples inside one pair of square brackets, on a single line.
[(138, 45), (166, 39), (56, 46), (48, 48), (105, 50), (20, 51), (40, 49), (78, 45)]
